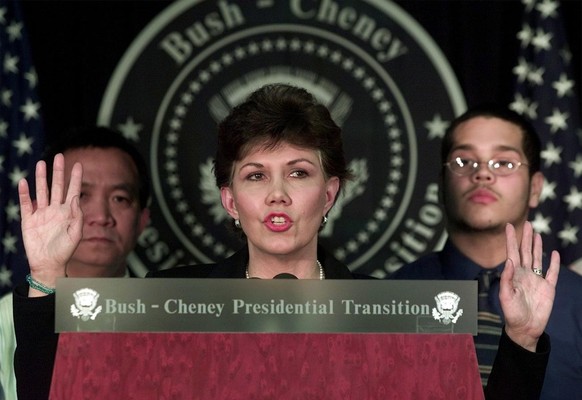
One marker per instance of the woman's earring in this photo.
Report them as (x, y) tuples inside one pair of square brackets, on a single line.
[(237, 223), (324, 221)]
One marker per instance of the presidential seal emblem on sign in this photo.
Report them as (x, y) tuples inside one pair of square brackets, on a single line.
[(383, 78), (85, 306), (447, 309)]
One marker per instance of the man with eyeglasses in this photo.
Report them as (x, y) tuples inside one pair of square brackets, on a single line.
[(490, 177)]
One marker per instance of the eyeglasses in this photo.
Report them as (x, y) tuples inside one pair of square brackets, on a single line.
[(499, 167)]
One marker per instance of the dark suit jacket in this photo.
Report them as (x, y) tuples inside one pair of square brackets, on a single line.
[(235, 267)]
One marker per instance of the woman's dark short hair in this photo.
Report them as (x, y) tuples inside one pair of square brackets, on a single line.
[(276, 114), (530, 139)]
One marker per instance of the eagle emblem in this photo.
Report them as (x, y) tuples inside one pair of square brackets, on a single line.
[(85, 306), (446, 309)]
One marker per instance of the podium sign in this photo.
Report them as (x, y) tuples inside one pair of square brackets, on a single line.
[(266, 306)]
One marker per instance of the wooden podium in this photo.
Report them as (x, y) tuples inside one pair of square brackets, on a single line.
[(265, 366)]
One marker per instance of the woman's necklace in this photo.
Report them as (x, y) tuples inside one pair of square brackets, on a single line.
[(321, 273)]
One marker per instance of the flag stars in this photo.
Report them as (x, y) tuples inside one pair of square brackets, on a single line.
[(11, 63), (525, 35), (16, 175), (12, 211), (31, 77), (573, 199), (568, 235), (557, 121), (547, 8), (536, 76), (576, 166), (529, 4), (521, 70), (541, 40), (3, 129), (20, 132), (541, 224), (551, 155), (541, 76), (23, 145), (548, 191), (563, 86), (566, 55), (524, 106), (5, 276), (9, 242), (14, 31), (6, 97), (30, 110)]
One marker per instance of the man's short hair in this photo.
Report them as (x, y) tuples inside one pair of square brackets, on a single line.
[(530, 141), (102, 138)]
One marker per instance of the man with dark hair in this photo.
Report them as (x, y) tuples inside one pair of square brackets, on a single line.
[(114, 200), (100, 137), (491, 177)]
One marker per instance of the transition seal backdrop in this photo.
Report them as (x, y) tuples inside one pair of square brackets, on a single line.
[(384, 79)]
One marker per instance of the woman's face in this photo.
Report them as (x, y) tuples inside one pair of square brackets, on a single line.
[(280, 196)]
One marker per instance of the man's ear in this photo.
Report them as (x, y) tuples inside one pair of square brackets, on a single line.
[(144, 219), (227, 198), (536, 186)]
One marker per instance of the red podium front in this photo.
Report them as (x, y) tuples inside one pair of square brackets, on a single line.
[(265, 366)]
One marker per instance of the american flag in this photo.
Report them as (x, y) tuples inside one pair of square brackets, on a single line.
[(21, 137), (545, 93)]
